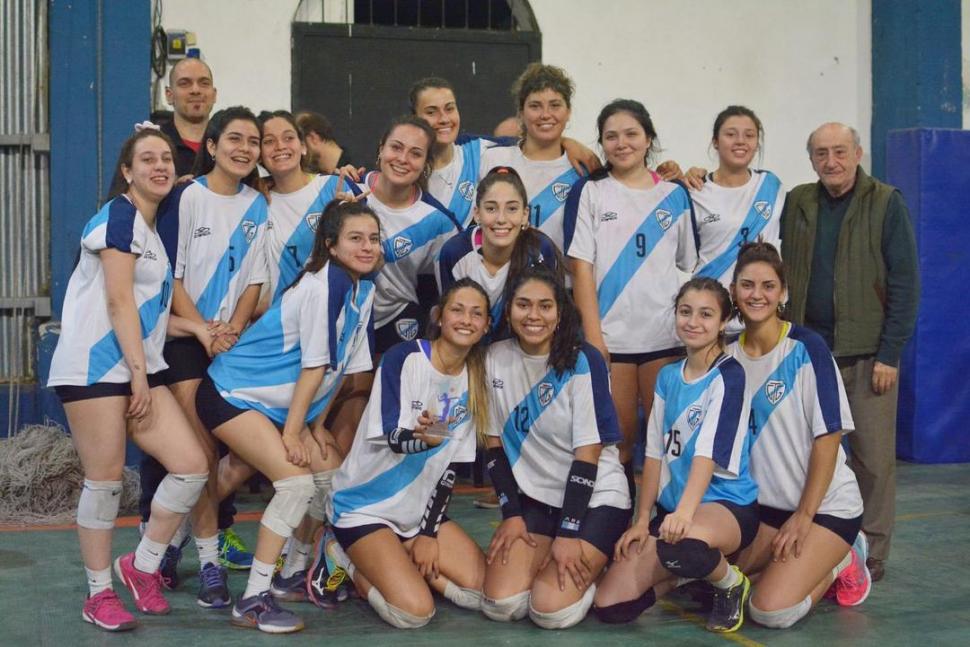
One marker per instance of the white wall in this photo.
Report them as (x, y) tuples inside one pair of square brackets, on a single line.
[(797, 64)]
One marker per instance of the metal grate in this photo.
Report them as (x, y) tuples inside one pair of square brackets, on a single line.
[(498, 15)]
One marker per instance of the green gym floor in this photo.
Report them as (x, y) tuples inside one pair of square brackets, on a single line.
[(924, 598)]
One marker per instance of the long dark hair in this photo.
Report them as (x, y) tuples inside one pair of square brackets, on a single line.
[(636, 110), (126, 157), (422, 125), (723, 297), (568, 337), (329, 226), (204, 162), (288, 117)]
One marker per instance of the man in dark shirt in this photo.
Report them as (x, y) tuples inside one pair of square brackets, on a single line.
[(191, 94), (849, 247)]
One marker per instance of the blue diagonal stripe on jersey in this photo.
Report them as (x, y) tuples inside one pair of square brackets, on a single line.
[(106, 352), (514, 435), (387, 484), (460, 206), (753, 223), (785, 373), (628, 261), (419, 234), (99, 219), (217, 288), (547, 201)]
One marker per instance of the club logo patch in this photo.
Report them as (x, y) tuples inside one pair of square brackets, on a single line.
[(694, 417), (402, 246), (249, 229), (407, 329), (763, 208), (561, 191), (312, 220), (608, 216), (774, 391), (664, 219), (467, 190), (458, 414), (546, 393)]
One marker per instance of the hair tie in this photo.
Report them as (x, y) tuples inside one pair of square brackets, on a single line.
[(147, 125)]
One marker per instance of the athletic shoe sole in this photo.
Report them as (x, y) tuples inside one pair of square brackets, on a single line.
[(124, 626), (246, 622)]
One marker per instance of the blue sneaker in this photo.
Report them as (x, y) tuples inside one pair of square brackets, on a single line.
[(264, 613), (213, 587), (169, 568), (233, 553), (289, 589)]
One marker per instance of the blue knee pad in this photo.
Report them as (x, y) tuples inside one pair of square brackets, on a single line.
[(688, 557)]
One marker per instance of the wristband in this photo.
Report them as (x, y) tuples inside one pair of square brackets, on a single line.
[(507, 491), (402, 441), (579, 490)]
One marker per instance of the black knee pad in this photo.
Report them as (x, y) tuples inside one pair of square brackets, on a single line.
[(688, 557), (623, 612)]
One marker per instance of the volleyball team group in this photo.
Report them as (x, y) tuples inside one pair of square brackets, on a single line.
[(356, 336)]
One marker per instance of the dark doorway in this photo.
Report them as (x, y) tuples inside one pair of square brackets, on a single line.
[(359, 75)]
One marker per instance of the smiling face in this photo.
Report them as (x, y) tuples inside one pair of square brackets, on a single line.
[(281, 148), (438, 107), (737, 142), (237, 150), (533, 315), (190, 91), (464, 318), (501, 213), (545, 114), (757, 291), (358, 245), (698, 319), (624, 142), (404, 155), (152, 171)]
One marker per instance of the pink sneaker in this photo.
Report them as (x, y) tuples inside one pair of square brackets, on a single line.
[(853, 584), (146, 588), (106, 610)]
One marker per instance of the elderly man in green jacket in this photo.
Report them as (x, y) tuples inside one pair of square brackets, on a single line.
[(849, 249)]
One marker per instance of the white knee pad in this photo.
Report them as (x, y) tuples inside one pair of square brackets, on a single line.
[(514, 607), (465, 598), (394, 616), (179, 492), (566, 617), (782, 618), (286, 509), (323, 481), (97, 508)]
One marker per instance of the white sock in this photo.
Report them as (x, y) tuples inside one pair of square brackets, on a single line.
[(260, 577), (844, 564), (208, 548), (148, 555), (180, 533), (297, 558), (730, 579), (98, 580)]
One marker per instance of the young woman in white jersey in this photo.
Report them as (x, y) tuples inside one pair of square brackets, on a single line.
[(499, 246), (283, 373), (392, 491), (552, 458), (696, 473), (808, 542), (627, 233), (108, 369), (735, 204)]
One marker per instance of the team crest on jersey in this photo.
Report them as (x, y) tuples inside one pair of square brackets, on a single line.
[(546, 392), (694, 417), (407, 329), (608, 216), (774, 391), (402, 246), (458, 414), (201, 231), (763, 208), (561, 191), (467, 190), (312, 220), (664, 218), (249, 228)]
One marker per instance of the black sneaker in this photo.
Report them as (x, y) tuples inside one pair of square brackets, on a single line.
[(213, 587), (727, 614)]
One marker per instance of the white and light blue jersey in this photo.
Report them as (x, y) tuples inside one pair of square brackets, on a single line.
[(547, 184), (454, 185), (321, 321), (638, 242), (376, 485), (542, 417), (461, 257), (88, 350), (220, 249), (797, 396), (708, 417), (412, 238), (292, 226)]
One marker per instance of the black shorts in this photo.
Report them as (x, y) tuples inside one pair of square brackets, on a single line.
[(643, 358), (73, 393), (408, 325), (347, 537), (186, 359), (847, 529), (602, 526), (212, 408), (745, 515)]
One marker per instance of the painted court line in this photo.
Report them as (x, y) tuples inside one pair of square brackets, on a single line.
[(735, 637)]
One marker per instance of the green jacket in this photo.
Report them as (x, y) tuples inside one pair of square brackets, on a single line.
[(859, 293)]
